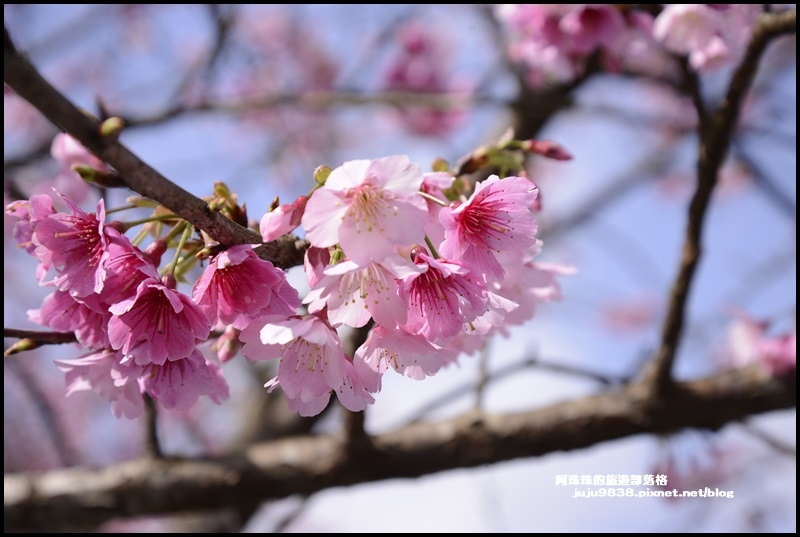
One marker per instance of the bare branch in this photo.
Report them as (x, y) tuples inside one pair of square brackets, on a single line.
[(715, 140), (40, 336), (23, 78), (507, 371), (304, 465)]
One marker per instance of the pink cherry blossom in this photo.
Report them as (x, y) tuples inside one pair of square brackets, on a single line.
[(408, 354), (548, 149), (179, 383), (126, 267), (712, 35), (157, 324), (591, 26), (539, 43), (104, 373), (496, 217), (421, 66), (441, 298), (630, 315), (284, 219), (284, 300), (312, 363), (68, 152), (353, 294), (314, 262), (368, 207), (29, 213), (638, 51), (494, 318), (528, 283), (237, 286), (227, 345), (77, 246), (434, 184), (61, 312), (748, 342)]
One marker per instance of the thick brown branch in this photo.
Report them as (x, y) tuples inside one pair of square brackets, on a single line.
[(23, 78), (715, 140), (74, 497)]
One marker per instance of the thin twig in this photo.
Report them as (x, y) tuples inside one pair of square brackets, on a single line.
[(42, 337), (23, 78), (33, 339), (777, 444), (463, 389), (715, 138)]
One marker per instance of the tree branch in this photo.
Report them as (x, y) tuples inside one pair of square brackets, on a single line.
[(23, 78), (41, 337), (152, 446), (80, 496), (715, 140)]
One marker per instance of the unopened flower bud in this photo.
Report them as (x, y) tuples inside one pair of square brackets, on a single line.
[(102, 178), (321, 174), (548, 149), (440, 165), (112, 127)]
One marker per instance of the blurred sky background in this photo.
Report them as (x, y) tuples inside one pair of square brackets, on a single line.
[(626, 253)]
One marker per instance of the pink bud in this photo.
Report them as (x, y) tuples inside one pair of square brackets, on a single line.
[(548, 149), (155, 250)]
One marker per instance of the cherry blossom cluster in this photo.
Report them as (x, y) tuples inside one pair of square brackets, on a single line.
[(435, 276), (555, 42), (431, 264)]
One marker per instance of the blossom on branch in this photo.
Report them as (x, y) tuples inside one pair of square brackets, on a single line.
[(105, 373), (441, 298), (408, 354), (157, 324), (312, 363), (179, 383), (496, 217), (284, 219), (238, 286), (60, 311), (368, 207), (77, 245), (354, 294)]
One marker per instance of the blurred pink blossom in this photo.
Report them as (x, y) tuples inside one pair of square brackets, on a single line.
[(749, 342), (420, 66)]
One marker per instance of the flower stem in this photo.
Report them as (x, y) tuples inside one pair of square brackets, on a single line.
[(187, 232), (434, 199), (434, 253), (149, 219)]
